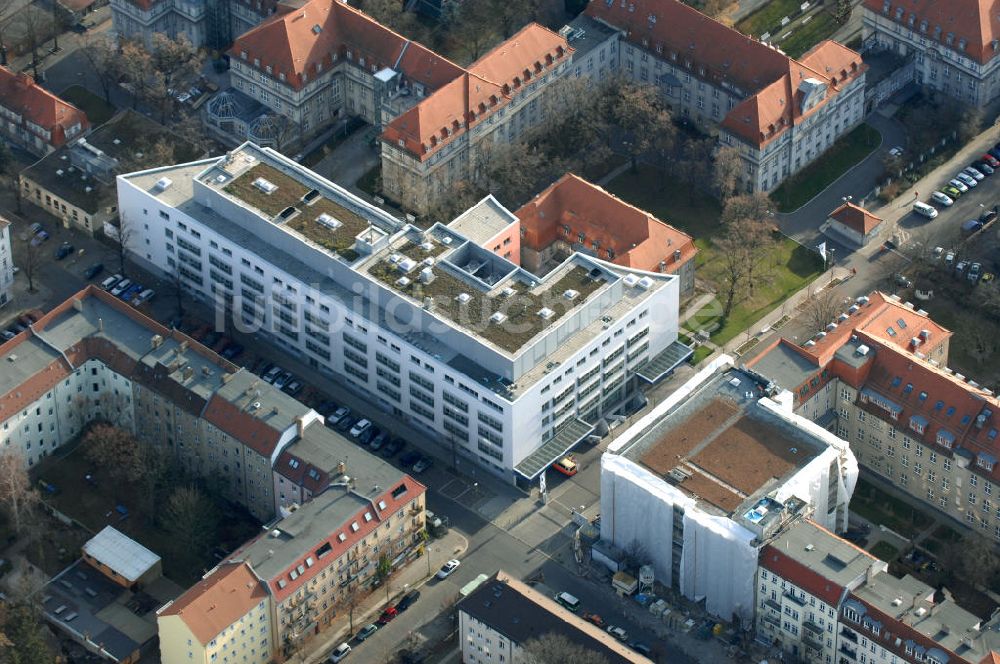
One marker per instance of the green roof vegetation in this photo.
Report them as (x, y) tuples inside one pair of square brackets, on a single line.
[(521, 307), (288, 193), (340, 239)]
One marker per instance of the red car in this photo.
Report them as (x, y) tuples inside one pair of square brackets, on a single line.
[(387, 616), (991, 160)]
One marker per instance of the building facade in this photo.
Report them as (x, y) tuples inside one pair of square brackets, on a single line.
[(34, 118), (953, 45), (6, 263), (204, 23), (779, 113), (879, 378), (852, 224), (315, 270)]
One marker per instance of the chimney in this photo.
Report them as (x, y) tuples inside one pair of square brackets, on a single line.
[(156, 341), (100, 324), (183, 347), (300, 425), (78, 304), (341, 468), (187, 372), (870, 574)]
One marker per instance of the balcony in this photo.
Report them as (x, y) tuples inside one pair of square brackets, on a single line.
[(849, 635), (773, 604), (847, 654), (774, 620), (794, 598), (812, 627), (812, 643)]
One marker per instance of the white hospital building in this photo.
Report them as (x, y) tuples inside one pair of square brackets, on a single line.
[(503, 367)]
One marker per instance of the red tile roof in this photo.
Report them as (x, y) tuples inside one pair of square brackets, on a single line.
[(856, 218), (636, 238), (324, 32), (217, 601), (20, 94), (490, 83), (976, 22)]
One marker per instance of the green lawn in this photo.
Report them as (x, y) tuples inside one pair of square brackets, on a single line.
[(804, 37), (668, 199), (881, 508), (793, 267), (817, 176), (98, 111), (885, 551), (700, 353), (767, 17)]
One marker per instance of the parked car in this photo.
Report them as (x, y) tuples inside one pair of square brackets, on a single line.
[(423, 464), (393, 447), (345, 424), (293, 387), (360, 427), (942, 199), (93, 271), (340, 652), (967, 179), (131, 292), (988, 216), (991, 160), (974, 173), (949, 259), (232, 351), (335, 418), (902, 281), (975, 271), (958, 184), (121, 287), (641, 648), (7, 335), (937, 252), (409, 599), (367, 435), (64, 250), (144, 296), (378, 441), (36, 228), (271, 374), (283, 379), (994, 152), (366, 631), (953, 192), (960, 267), (409, 458), (566, 466), (984, 167), (387, 616), (40, 237), (925, 210), (448, 568), (618, 632)]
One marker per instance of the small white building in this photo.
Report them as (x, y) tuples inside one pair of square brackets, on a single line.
[(852, 224), (713, 472), (6, 263), (503, 367)]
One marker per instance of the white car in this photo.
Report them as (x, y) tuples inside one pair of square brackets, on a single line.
[(121, 287), (360, 427), (967, 179), (618, 633), (941, 198), (925, 210), (958, 184), (973, 172), (340, 652), (448, 568), (111, 281), (144, 296)]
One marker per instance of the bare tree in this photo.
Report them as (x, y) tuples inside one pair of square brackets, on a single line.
[(472, 26), (636, 554), (747, 219), (640, 118), (101, 54), (137, 67), (191, 520), (733, 259), (116, 450), (16, 493), (31, 260), (31, 19), (511, 14), (822, 309), (726, 171), (555, 648), (8, 169), (122, 239)]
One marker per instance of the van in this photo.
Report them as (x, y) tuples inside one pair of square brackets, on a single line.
[(924, 210), (568, 601)]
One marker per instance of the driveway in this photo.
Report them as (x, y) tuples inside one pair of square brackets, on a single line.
[(349, 161), (803, 224)]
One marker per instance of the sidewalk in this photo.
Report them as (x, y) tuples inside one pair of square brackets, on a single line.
[(414, 576)]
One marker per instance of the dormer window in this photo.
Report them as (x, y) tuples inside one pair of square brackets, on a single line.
[(885, 7), (267, 68), (243, 54), (899, 13), (961, 44), (256, 62), (918, 423), (923, 26), (985, 461), (281, 76), (945, 438), (912, 20), (361, 61), (949, 38)]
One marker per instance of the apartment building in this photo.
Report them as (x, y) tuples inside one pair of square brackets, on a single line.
[(822, 599), (204, 23), (75, 183), (878, 376), (713, 473), (300, 572), (223, 619), (6, 263), (779, 112), (802, 578), (953, 44), (573, 214), (34, 118), (505, 368), (502, 614)]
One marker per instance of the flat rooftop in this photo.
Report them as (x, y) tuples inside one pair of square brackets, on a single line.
[(325, 449), (785, 365), (722, 447), (483, 222), (587, 34), (833, 557)]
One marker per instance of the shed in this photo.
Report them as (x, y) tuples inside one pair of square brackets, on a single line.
[(121, 559)]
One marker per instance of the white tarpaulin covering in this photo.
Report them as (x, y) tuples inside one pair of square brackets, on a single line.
[(719, 563)]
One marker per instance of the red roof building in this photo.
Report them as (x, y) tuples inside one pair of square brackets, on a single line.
[(33, 117), (574, 214), (852, 223)]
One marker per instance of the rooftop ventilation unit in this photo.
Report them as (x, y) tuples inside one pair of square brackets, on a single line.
[(328, 221), (446, 240), (498, 317), (60, 172), (426, 245), (406, 265), (630, 280), (507, 291), (863, 350), (426, 275), (545, 313), (571, 294), (462, 298), (428, 261), (265, 186), (645, 283), (163, 184), (809, 344), (403, 282), (219, 179), (831, 327), (395, 258)]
